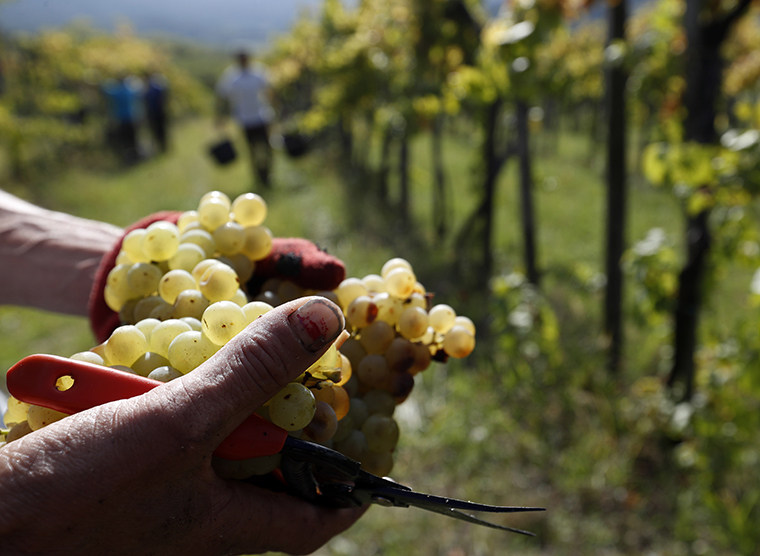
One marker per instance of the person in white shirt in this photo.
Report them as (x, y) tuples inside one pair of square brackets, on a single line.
[(243, 92)]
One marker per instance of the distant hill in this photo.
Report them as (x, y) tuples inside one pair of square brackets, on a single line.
[(215, 22)]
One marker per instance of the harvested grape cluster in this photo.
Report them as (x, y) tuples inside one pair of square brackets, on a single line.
[(179, 295)]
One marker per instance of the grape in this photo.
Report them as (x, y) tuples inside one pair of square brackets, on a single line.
[(413, 323), (162, 312), (200, 238), (16, 412), (389, 308), (381, 432), (354, 351), (38, 417), (146, 326), (458, 342), (288, 291), (243, 266), (422, 358), (361, 311), (257, 242), (379, 401), (222, 321), (249, 209), (345, 428), (186, 218), (144, 307), (400, 385), (377, 337), (194, 323), (341, 402), (399, 282), (229, 238), (143, 278), (88, 357), (240, 298), (393, 264), (148, 362), (125, 345), (189, 349), (373, 371), (173, 283), (466, 323), (164, 333), (378, 463), (213, 212), (293, 407), (345, 370), (219, 196), (164, 374), (354, 446), (323, 425), (161, 241), (127, 312), (132, 246), (417, 300), (441, 318), (219, 283), (201, 268), (254, 310), (117, 282), (187, 256), (189, 303), (374, 283), (348, 290), (358, 412)]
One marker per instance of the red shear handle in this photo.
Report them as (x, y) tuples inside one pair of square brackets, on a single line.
[(33, 380)]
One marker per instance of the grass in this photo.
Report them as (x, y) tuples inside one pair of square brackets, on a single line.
[(480, 429)]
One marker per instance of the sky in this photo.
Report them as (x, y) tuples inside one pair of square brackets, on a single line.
[(221, 22)]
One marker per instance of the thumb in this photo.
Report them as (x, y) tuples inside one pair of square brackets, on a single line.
[(215, 398)]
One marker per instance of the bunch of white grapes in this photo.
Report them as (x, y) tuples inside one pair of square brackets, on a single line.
[(177, 289)]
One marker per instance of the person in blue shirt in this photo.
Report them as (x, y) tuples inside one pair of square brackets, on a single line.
[(155, 98), (123, 96)]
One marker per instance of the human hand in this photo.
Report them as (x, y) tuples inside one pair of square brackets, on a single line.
[(135, 476)]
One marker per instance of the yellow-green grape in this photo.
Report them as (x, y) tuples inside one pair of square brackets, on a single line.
[(127, 312), (242, 265), (379, 402), (458, 342), (361, 312), (117, 285), (186, 218), (143, 278), (222, 321), (389, 308), (164, 374), (229, 238), (212, 213), (100, 350), (400, 282), (125, 345), (189, 303), (195, 324), (257, 242), (413, 323), (88, 357), (429, 337), (161, 241), (123, 258), (354, 446), (373, 371), (323, 425), (419, 288), (327, 363), (201, 268), (202, 239), (16, 412), (441, 318), (374, 283), (145, 306), (240, 298), (254, 310), (114, 302), (249, 209), (162, 312), (39, 417), (381, 432), (132, 246), (219, 283), (393, 264), (146, 326), (378, 463), (293, 407), (400, 355), (188, 255), (348, 290), (354, 351), (377, 337), (416, 300), (466, 323), (173, 283), (163, 335), (188, 350), (148, 362), (17, 431), (219, 196)]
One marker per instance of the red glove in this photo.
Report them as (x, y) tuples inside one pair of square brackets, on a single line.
[(294, 259)]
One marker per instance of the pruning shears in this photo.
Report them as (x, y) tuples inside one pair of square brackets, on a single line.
[(314, 472)]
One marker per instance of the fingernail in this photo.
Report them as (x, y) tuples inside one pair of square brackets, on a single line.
[(316, 323)]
